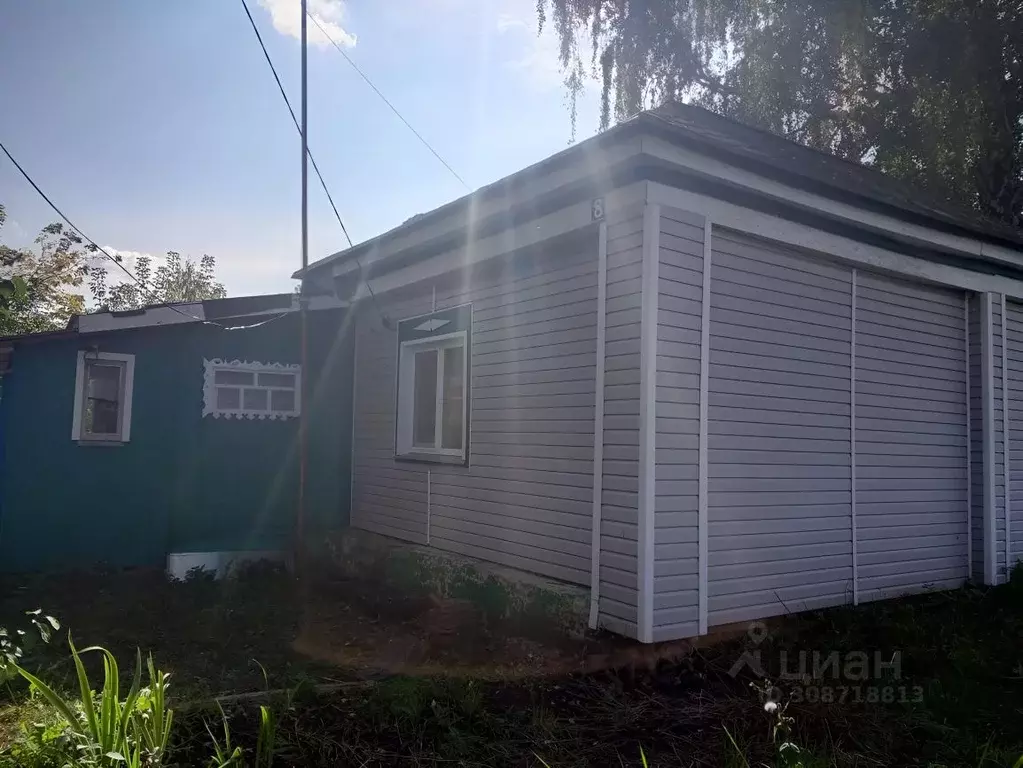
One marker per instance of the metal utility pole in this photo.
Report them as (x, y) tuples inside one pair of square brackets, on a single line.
[(303, 421)]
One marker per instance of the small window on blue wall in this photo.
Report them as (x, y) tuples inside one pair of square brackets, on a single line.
[(250, 390)]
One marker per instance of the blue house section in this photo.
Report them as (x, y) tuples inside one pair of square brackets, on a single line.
[(184, 482)]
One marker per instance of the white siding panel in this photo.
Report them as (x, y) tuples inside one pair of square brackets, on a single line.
[(1014, 359), (525, 501), (920, 501), (617, 608), (680, 305), (779, 432)]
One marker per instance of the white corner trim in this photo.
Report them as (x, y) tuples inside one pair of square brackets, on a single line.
[(209, 389), (1005, 437), (352, 416), (969, 442), (648, 422), (852, 447), (703, 514), (598, 426), (988, 386), (129, 387)]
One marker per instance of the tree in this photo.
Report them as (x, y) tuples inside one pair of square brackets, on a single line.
[(40, 289), (927, 90), (176, 280)]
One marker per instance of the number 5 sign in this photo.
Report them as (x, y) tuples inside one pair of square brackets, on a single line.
[(598, 208)]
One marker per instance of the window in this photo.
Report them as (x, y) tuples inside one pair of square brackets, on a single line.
[(103, 389), (433, 386), (244, 390)]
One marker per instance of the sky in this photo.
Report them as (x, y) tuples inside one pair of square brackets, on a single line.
[(157, 125)]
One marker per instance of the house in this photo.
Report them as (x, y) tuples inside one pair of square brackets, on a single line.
[(163, 437), (707, 374)]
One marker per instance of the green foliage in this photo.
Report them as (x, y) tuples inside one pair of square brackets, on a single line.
[(928, 90), (176, 280), (104, 730), (40, 288), (13, 643)]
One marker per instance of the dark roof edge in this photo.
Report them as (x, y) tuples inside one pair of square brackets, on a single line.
[(503, 186), (665, 129)]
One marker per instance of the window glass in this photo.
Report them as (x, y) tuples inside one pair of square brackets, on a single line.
[(282, 400), (254, 399), (102, 401), (286, 380), (234, 377), (229, 398), (452, 429), (424, 423)]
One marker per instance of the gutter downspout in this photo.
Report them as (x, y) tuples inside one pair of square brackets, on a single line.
[(598, 425)]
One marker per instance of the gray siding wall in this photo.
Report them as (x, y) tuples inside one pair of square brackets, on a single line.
[(676, 524), (976, 439), (526, 499), (997, 330), (1014, 347), (780, 536), (620, 495), (911, 436)]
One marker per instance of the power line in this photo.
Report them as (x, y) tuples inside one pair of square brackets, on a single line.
[(123, 268), (387, 102), (376, 303), (294, 119)]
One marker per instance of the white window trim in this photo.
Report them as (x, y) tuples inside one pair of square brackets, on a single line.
[(406, 396), (209, 391), (125, 410)]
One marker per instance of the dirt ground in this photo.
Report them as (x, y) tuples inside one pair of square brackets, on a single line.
[(217, 637)]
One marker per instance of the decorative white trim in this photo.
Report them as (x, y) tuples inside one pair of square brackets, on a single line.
[(1005, 434), (703, 513), (209, 390), (129, 388), (598, 425), (988, 374), (969, 442), (648, 422), (852, 448)]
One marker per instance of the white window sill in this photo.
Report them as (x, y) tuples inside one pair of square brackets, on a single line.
[(103, 443)]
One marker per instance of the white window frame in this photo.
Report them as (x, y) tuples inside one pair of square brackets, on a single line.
[(127, 386), (406, 398), (210, 407)]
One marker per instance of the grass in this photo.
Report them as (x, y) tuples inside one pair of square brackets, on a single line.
[(962, 650)]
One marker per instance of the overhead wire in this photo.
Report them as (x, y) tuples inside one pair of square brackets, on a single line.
[(386, 101), (128, 272), (280, 87), (294, 119)]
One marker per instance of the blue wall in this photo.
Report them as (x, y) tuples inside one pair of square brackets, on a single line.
[(183, 482)]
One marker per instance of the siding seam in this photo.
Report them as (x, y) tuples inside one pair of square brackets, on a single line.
[(702, 504), (852, 444), (648, 424), (598, 425)]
